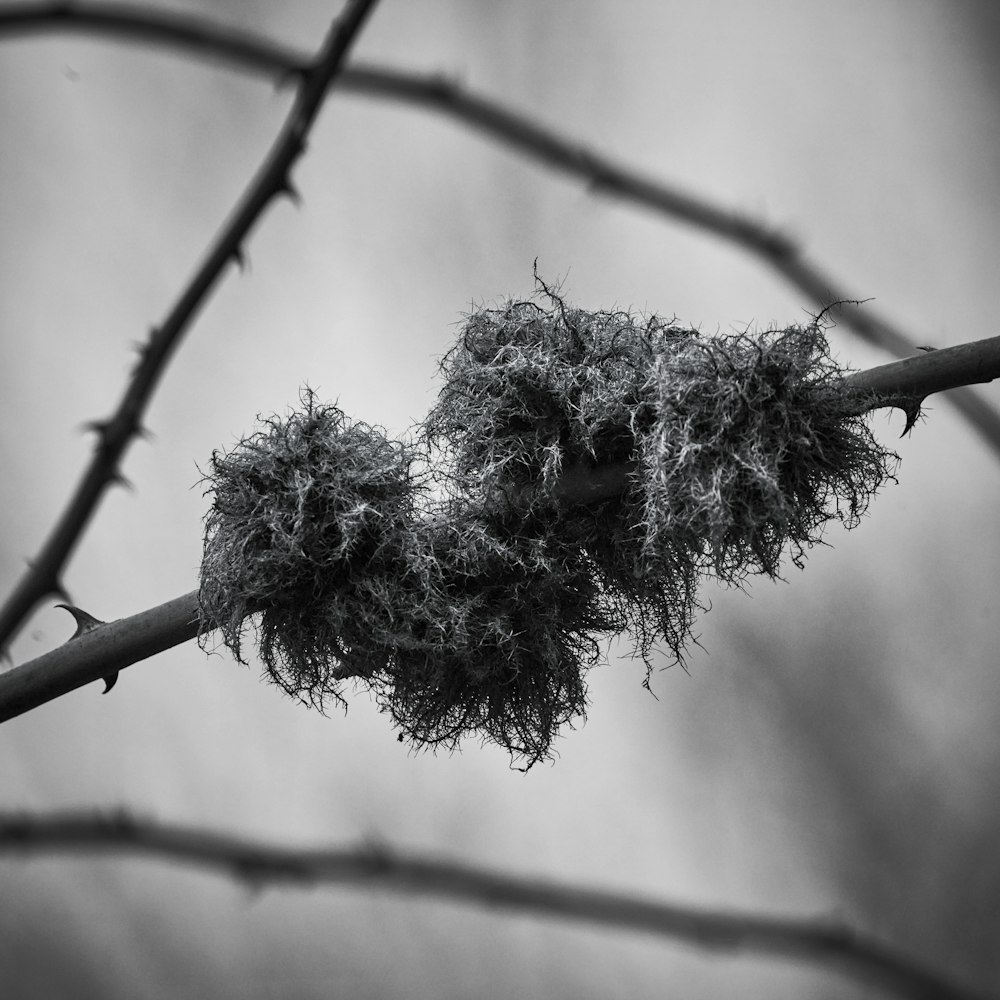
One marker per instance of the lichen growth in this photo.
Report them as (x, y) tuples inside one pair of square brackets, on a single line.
[(491, 633), (528, 390), (450, 576), (754, 449), (307, 514)]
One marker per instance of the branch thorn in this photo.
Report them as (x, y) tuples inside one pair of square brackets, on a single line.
[(911, 408), (98, 427), (86, 622), (291, 192)]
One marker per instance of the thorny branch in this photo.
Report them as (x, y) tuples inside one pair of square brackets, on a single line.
[(115, 433), (437, 93), (97, 655), (821, 942), (256, 53), (94, 655)]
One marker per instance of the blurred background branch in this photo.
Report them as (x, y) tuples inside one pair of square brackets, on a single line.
[(43, 576), (824, 943), (518, 131)]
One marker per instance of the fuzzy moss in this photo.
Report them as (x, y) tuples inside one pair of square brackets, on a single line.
[(491, 633), (476, 609), (754, 449), (528, 390), (305, 511)]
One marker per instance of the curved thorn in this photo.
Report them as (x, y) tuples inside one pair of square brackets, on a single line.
[(98, 427), (911, 406), (141, 352), (85, 622)]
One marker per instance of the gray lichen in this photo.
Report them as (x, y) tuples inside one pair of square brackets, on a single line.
[(470, 600)]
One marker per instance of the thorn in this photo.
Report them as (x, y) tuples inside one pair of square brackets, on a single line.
[(98, 427), (86, 622), (926, 348), (290, 191), (141, 352), (912, 410), (240, 259), (60, 591), (119, 480)]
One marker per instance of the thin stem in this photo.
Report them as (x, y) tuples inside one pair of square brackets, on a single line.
[(116, 645), (115, 434), (255, 53), (824, 943)]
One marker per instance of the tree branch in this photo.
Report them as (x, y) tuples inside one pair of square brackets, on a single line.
[(98, 653), (824, 943), (138, 23), (115, 434), (255, 53), (112, 646), (902, 382)]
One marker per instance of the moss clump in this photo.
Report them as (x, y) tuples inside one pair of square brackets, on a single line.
[(755, 446), (307, 514), (529, 390), (478, 609), (490, 635)]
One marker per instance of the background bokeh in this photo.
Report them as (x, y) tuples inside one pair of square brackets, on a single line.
[(833, 748)]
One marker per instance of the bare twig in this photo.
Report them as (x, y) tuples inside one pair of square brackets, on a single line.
[(110, 647), (437, 93), (824, 943), (114, 434)]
